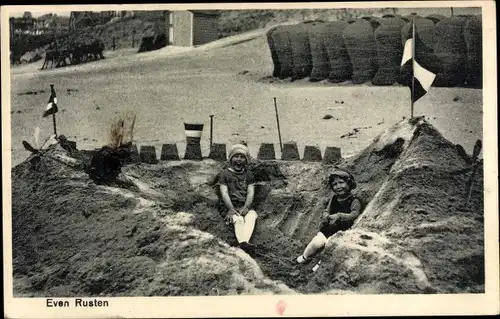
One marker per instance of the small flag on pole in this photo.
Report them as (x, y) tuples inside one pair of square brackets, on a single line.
[(421, 78), (52, 105)]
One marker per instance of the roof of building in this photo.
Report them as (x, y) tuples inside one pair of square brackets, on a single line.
[(207, 12), (78, 16), (47, 16)]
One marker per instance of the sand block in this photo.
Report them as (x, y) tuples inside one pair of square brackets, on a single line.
[(312, 154), (266, 152), (169, 152), (290, 152), (148, 155), (91, 153), (332, 155), (218, 152), (193, 152), (134, 154)]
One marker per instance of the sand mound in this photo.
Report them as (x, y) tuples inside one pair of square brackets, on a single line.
[(163, 234), (414, 236), (73, 238)]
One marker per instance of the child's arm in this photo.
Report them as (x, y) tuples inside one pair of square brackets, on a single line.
[(227, 201), (225, 197), (224, 193), (250, 180), (355, 211), (326, 212), (249, 199)]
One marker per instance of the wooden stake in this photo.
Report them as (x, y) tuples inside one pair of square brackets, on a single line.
[(475, 154), (412, 65), (211, 130), (278, 121)]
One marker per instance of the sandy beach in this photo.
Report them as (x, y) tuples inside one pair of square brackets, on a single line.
[(227, 79)]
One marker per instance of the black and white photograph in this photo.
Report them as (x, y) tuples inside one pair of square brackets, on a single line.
[(205, 160)]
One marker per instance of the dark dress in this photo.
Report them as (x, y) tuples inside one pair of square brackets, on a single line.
[(350, 206), (237, 185)]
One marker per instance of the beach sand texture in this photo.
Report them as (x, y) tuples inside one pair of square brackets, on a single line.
[(229, 79)]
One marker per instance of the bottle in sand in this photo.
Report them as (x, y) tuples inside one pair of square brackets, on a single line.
[(316, 266)]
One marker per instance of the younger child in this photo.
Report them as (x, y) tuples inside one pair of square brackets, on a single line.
[(342, 211), (237, 192)]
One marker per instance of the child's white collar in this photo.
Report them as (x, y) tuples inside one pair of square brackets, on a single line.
[(232, 170)]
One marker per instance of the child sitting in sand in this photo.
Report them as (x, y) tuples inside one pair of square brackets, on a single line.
[(236, 185), (340, 214)]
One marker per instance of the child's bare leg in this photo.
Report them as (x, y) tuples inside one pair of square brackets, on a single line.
[(250, 219), (239, 228), (318, 242)]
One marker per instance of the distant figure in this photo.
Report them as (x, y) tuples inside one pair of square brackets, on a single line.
[(340, 214), (106, 164), (236, 186)]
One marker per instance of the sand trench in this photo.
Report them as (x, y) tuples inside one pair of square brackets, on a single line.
[(164, 236)]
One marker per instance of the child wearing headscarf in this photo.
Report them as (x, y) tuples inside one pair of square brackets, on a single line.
[(340, 214), (237, 190)]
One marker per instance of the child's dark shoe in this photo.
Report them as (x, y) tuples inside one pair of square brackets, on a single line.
[(243, 246), (248, 248), (251, 249)]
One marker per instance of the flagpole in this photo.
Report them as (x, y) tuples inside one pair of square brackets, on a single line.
[(54, 121), (53, 93), (412, 65)]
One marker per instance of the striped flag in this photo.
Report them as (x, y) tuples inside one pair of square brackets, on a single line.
[(421, 78), (52, 105), (193, 133)]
